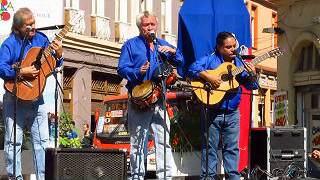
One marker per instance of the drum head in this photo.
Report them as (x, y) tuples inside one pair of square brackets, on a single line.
[(143, 90)]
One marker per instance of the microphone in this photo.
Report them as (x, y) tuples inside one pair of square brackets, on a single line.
[(50, 27), (248, 56), (245, 56), (29, 28), (177, 86), (153, 36), (244, 53)]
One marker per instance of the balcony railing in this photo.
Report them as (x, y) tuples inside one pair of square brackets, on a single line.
[(100, 27), (103, 87), (113, 89), (124, 31), (77, 27), (172, 39), (67, 82), (98, 86), (268, 81)]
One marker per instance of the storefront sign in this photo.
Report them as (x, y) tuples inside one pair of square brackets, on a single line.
[(315, 130), (280, 108), (117, 113)]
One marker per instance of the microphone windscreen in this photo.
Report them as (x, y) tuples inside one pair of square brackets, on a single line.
[(249, 56), (29, 28), (153, 36)]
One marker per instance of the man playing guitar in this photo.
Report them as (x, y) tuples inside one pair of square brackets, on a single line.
[(138, 64), (223, 120), (29, 114)]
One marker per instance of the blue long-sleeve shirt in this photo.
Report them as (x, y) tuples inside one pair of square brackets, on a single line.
[(10, 52), (134, 53), (230, 100)]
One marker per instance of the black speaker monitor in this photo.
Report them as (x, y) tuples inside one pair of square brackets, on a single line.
[(278, 152), (85, 164)]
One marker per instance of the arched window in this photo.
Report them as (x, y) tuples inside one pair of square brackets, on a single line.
[(309, 59)]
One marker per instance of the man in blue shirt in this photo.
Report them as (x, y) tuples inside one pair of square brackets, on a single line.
[(138, 64), (29, 114), (224, 116)]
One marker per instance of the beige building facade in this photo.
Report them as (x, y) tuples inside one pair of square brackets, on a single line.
[(92, 48), (263, 15), (299, 68)]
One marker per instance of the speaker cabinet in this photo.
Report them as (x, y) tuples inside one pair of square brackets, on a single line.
[(85, 164), (278, 151)]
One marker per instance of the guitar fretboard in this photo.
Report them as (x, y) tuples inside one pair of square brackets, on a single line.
[(58, 37), (254, 62)]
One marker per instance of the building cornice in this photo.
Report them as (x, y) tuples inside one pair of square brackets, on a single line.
[(270, 70), (267, 4), (92, 45), (278, 3)]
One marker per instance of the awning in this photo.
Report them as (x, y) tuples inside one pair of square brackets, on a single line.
[(201, 21)]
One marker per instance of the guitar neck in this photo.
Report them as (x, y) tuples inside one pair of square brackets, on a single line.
[(58, 37), (254, 62)]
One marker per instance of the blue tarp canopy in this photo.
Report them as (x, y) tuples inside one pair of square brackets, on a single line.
[(201, 20)]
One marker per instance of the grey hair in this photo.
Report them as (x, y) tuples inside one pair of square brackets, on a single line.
[(144, 14), (18, 18)]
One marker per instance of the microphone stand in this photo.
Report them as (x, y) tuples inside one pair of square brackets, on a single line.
[(54, 73), (16, 79), (56, 108), (207, 87), (249, 70), (164, 100)]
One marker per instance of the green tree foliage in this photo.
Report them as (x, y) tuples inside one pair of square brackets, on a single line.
[(65, 127)]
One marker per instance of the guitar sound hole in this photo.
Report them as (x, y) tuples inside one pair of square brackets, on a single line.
[(226, 77)]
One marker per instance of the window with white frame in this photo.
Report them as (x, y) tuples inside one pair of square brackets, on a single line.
[(274, 25), (74, 4), (166, 16), (122, 10), (135, 5), (146, 5), (163, 15), (254, 26), (98, 7)]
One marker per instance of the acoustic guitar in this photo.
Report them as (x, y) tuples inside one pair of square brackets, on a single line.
[(227, 72), (29, 89)]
